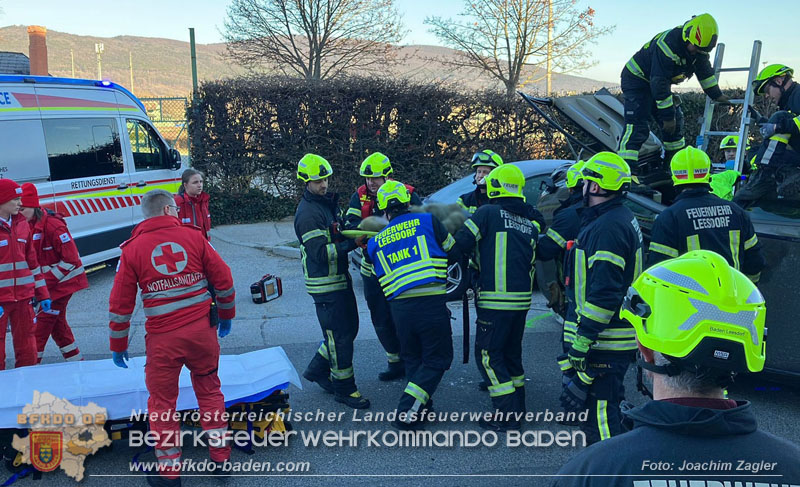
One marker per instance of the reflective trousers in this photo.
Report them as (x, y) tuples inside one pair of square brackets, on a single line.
[(337, 313), (194, 345), (498, 350), (426, 346), (381, 317), (54, 323), (605, 395), (22, 333)]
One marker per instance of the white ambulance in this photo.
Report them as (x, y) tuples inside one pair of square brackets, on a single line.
[(91, 151)]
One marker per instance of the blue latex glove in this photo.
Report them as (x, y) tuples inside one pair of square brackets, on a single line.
[(46, 305), (119, 359), (2, 312), (224, 328)]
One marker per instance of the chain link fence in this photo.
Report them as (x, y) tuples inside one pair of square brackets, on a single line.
[(169, 117)]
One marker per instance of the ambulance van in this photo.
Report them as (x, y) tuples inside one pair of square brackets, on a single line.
[(91, 151)]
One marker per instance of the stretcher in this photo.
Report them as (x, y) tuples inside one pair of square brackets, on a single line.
[(251, 382)]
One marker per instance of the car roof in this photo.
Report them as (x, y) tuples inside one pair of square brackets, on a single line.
[(530, 168)]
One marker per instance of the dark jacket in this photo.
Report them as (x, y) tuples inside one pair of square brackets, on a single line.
[(607, 257), (664, 61), (473, 200), (503, 234), (698, 219), (669, 439), (565, 227), (790, 101), (324, 251)]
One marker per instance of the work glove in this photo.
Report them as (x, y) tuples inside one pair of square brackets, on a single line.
[(767, 130), (2, 312), (578, 353), (723, 100), (361, 241), (574, 394), (669, 126), (119, 359), (224, 328), (46, 305)]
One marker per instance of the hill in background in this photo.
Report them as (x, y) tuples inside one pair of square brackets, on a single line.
[(162, 67)]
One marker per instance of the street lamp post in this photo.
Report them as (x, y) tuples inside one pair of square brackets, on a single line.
[(98, 48)]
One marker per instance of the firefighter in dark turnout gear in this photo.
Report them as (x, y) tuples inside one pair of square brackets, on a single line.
[(606, 258), (778, 158), (483, 162), (325, 266), (376, 170), (698, 220), (668, 58), (690, 422), (503, 234), (410, 258)]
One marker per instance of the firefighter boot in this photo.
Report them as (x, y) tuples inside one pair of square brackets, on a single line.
[(395, 370), (318, 371), (354, 400)]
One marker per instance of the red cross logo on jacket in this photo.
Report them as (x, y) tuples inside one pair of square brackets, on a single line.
[(168, 258)]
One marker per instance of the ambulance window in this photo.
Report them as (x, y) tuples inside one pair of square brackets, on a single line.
[(149, 152), (82, 147)]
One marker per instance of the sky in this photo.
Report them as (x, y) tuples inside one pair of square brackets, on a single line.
[(636, 22)]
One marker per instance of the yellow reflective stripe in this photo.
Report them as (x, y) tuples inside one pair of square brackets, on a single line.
[(663, 249), (665, 103), (580, 279), (665, 48), (735, 237), (448, 243), (488, 368), (513, 296), (334, 361), (473, 228), (615, 346), (518, 380), (556, 237), (342, 374), (323, 350), (536, 224), (417, 392), (608, 257), (709, 82), (635, 70), (751, 242), (384, 264), (503, 389), (333, 255), (617, 333), (417, 276), (170, 187), (423, 248), (780, 138), (624, 152), (585, 378), (432, 289), (692, 243), (637, 269), (500, 251), (503, 305), (596, 313), (438, 264), (676, 145), (570, 326), (313, 234), (796, 121), (602, 420), (367, 269), (754, 277), (353, 212)]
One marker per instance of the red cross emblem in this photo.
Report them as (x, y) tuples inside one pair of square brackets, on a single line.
[(169, 258)]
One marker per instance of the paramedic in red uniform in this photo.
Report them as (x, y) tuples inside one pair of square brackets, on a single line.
[(62, 270), (192, 201), (173, 264), (20, 278)]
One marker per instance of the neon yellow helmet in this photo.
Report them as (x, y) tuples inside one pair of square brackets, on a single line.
[(769, 72), (690, 166), (699, 310), (313, 168), (729, 142), (392, 191), (376, 165), (702, 31), (486, 158), (608, 170), (574, 174), (505, 180)]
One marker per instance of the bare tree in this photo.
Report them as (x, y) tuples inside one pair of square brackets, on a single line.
[(503, 37), (313, 38)]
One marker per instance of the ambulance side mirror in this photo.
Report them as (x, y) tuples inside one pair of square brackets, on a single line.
[(176, 159)]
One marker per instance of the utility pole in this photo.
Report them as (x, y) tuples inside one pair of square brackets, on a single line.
[(549, 45), (194, 61), (98, 48), (72, 58), (130, 63)]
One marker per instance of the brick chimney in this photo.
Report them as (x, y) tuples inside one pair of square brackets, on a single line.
[(37, 50)]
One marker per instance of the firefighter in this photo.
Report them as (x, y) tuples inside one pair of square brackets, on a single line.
[(698, 220), (62, 270), (606, 257), (668, 58), (503, 234), (172, 264), (324, 252), (20, 278), (724, 176), (483, 162), (779, 155), (192, 201), (376, 170), (698, 323), (410, 258)]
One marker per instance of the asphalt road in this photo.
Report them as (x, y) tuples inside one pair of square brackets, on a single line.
[(290, 322)]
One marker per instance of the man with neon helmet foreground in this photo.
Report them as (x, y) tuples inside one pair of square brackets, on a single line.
[(698, 323)]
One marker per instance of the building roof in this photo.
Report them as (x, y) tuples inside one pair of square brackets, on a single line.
[(14, 63)]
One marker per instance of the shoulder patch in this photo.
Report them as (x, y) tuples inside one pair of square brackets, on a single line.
[(64, 237)]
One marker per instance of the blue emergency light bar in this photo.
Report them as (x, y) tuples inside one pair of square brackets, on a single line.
[(70, 81)]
